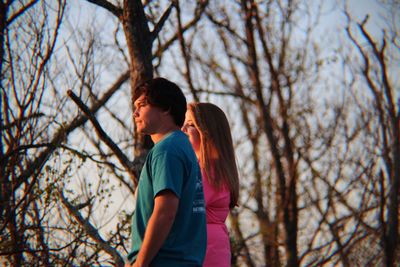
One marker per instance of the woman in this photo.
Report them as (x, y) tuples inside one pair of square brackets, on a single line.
[(208, 130)]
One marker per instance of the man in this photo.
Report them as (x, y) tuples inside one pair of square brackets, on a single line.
[(169, 225)]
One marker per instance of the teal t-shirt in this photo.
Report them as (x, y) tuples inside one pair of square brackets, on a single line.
[(172, 165)]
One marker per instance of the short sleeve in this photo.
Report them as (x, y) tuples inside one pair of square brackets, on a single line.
[(167, 173)]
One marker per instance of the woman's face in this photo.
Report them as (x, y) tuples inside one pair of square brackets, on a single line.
[(192, 132)]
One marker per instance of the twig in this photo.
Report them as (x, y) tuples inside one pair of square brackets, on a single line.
[(123, 159)]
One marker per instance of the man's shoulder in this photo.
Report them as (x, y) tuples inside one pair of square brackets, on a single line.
[(174, 142), (175, 146)]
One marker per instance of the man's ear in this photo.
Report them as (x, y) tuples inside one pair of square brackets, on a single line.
[(166, 112)]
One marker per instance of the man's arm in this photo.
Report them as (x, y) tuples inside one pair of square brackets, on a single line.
[(160, 223)]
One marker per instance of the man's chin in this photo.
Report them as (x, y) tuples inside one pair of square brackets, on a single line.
[(142, 131), (139, 130)]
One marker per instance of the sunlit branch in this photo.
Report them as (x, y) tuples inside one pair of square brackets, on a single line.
[(198, 14), (108, 6), (92, 231), (21, 11), (161, 22), (123, 159), (111, 165)]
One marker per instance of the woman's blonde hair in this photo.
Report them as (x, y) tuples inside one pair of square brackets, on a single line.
[(217, 156)]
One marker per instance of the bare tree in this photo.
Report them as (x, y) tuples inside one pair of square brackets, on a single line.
[(379, 58), (262, 71), (301, 139), (46, 219), (256, 91), (24, 144), (318, 164)]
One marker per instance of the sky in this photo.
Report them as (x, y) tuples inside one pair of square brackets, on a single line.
[(83, 14)]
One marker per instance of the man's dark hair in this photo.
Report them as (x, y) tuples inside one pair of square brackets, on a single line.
[(164, 94)]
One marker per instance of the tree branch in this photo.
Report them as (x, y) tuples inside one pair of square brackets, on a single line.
[(59, 137), (92, 231), (107, 6), (123, 159), (199, 12), (109, 164), (162, 21), (21, 12), (20, 120)]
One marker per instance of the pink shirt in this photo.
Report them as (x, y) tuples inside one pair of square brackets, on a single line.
[(217, 209)]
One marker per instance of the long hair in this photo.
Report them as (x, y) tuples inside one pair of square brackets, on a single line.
[(217, 156)]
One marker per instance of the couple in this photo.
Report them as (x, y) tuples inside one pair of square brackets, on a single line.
[(174, 223)]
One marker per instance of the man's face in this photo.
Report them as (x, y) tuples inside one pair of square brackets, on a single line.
[(146, 116)]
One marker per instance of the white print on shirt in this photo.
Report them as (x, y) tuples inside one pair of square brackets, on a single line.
[(198, 202)]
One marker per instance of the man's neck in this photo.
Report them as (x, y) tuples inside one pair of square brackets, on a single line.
[(157, 137)]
